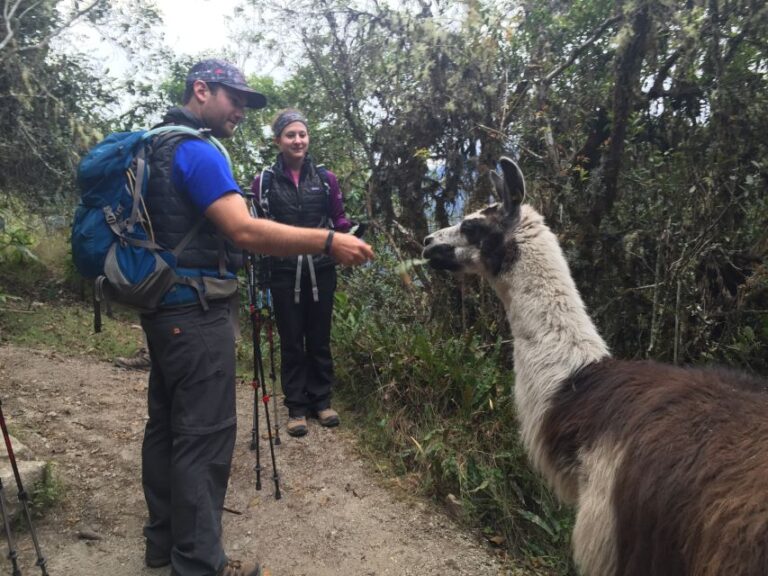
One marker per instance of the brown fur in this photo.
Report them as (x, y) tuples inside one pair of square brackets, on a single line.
[(691, 497)]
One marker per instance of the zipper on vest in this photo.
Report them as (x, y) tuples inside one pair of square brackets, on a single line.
[(300, 196)]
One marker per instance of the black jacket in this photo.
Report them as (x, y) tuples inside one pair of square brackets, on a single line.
[(305, 205)]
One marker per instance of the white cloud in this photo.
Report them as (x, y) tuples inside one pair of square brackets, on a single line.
[(195, 26)]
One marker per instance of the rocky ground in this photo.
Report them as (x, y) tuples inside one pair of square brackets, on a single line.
[(336, 517)]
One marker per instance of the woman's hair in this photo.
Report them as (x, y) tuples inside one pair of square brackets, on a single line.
[(285, 117)]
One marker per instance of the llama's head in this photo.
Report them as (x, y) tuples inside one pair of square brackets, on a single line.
[(479, 243)]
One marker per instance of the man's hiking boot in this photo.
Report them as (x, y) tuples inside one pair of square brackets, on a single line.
[(154, 558), (237, 568), (328, 417), (297, 426), (159, 562), (139, 361)]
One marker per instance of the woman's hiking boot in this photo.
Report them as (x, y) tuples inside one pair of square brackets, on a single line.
[(328, 417), (297, 426)]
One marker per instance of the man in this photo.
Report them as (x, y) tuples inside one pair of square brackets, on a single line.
[(190, 434)]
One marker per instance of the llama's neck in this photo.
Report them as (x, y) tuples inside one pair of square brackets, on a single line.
[(554, 336), (548, 318)]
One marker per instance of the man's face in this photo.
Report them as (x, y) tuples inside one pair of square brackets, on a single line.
[(223, 110)]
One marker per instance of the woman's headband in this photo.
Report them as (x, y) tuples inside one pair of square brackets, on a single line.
[(287, 118)]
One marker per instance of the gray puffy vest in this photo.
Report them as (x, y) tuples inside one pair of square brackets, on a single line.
[(173, 214)]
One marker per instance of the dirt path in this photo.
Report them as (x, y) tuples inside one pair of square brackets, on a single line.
[(336, 518)]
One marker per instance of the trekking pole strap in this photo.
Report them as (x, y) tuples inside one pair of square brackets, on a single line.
[(297, 284), (313, 278)]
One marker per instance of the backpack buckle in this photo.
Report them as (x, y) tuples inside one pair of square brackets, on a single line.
[(109, 216)]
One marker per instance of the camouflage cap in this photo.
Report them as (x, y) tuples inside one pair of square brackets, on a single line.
[(222, 72)]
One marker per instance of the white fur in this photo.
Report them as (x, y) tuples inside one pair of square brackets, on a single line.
[(594, 535), (554, 336)]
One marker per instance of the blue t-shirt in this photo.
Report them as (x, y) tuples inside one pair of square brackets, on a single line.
[(202, 172)]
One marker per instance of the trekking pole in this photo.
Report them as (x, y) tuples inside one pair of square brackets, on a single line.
[(271, 343), (255, 329), (258, 366), (263, 278), (23, 496), (258, 379), (8, 534)]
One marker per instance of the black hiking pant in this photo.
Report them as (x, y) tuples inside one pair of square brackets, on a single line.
[(306, 366), (190, 435)]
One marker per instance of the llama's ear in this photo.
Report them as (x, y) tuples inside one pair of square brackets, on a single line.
[(498, 185), (513, 185)]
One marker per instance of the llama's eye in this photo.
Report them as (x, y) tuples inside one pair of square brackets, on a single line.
[(474, 230)]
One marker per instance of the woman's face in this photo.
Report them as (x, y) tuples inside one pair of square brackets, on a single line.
[(293, 141)]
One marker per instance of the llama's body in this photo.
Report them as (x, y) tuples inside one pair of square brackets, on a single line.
[(667, 467)]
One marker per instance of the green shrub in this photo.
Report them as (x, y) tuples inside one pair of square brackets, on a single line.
[(48, 492)]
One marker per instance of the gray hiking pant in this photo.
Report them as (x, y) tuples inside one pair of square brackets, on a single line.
[(190, 435)]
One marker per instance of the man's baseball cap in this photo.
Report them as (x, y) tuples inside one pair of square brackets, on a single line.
[(222, 72)]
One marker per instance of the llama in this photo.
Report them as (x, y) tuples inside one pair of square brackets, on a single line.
[(667, 466)]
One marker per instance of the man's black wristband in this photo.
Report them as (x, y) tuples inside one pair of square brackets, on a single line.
[(328, 242)]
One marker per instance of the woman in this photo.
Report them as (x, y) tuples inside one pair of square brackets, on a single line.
[(297, 191)]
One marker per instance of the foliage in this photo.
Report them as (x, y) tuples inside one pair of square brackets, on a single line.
[(647, 176), (15, 240), (50, 99), (639, 125), (428, 110), (48, 492), (41, 310)]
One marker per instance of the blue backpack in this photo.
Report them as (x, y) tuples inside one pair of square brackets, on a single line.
[(112, 237)]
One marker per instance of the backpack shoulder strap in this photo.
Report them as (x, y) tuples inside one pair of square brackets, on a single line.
[(202, 133), (265, 187), (322, 171)]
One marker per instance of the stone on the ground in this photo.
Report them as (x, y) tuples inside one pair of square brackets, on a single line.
[(31, 472)]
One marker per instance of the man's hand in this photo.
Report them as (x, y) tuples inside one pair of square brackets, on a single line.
[(350, 250)]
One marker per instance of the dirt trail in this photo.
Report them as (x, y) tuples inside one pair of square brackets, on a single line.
[(336, 518)]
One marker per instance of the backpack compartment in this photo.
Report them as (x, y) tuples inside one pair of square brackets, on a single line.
[(139, 276)]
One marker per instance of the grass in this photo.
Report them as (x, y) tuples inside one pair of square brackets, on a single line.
[(47, 493), (47, 306), (68, 328)]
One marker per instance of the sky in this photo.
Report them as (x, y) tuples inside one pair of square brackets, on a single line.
[(193, 26), (190, 27), (201, 26)]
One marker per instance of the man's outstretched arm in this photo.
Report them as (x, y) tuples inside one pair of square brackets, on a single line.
[(231, 216)]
